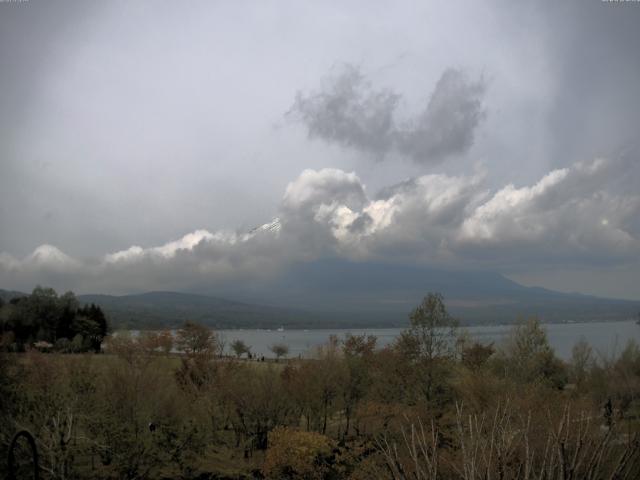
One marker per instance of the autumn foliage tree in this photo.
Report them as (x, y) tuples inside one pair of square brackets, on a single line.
[(196, 339), (433, 404), (295, 454)]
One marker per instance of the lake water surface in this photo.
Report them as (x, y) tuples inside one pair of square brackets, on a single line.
[(606, 338)]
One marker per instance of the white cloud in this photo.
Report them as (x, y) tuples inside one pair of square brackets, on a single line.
[(572, 214), (124, 255), (505, 216), (313, 188)]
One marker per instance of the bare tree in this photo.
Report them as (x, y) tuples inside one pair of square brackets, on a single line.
[(509, 444), (417, 458)]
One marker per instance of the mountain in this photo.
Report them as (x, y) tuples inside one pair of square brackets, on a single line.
[(7, 295), (381, 293), (171, 309), (338, 293)]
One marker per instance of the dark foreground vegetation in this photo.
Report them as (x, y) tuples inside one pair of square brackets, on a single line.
[(435, 404), (51, 322)]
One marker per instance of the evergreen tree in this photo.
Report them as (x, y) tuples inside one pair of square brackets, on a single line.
[(45, 316)]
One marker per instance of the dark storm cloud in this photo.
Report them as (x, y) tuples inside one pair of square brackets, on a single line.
[(349, 112), (447, 126)]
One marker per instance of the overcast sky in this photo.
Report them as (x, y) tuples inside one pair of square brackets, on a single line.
[(141, 142)]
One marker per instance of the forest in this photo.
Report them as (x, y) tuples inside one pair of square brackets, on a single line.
[(433, 405)]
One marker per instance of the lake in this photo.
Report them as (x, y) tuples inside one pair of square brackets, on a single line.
[(606, 338)]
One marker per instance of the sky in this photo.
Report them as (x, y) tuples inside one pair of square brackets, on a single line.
[(142, 143)]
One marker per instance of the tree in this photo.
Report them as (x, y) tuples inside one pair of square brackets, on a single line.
[(239, 348), (476, 355), (9, 404), (429, 345), (257, 403), (279, 350), (528, 357), (316, 384), (293, 454), (43, 310), (195, 339), (140, 421), (581, 362), (44, 316), (431, 332), (358, 351), (329, 373), (165, 341)]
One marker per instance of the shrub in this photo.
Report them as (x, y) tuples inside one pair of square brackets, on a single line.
[(294, 454)]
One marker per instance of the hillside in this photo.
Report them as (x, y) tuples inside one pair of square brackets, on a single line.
[(170, 309), (7, 295), (340, 294), (385, 293)]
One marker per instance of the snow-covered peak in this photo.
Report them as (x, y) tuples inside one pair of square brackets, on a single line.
[(50, 256), (274, 226)]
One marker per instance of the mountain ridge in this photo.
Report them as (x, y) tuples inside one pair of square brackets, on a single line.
[(334, 293)]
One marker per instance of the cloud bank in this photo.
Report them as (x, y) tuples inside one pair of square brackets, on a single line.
[(581, 214), (349, 112)]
